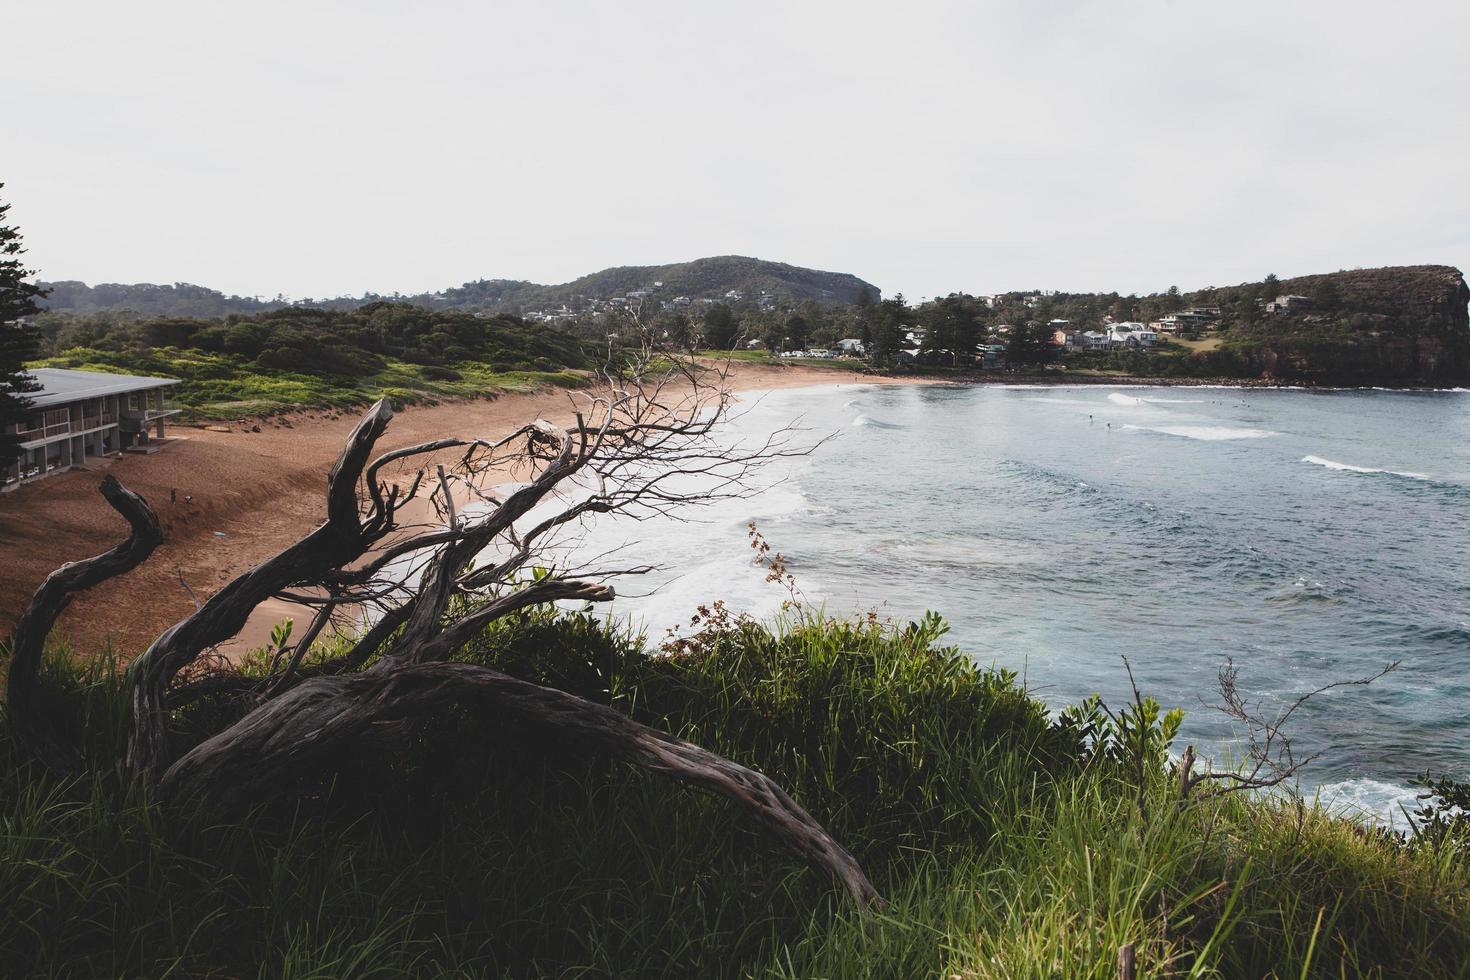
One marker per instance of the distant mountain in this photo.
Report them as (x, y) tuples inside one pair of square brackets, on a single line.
[(709, 278)]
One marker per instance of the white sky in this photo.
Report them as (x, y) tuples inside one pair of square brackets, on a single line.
[(318, 148)]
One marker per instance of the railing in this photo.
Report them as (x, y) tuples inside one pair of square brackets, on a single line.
[(43, 432), (151, 412)]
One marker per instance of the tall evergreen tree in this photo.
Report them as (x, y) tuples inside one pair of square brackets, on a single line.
[(18, 341), (797, 332), (720, 328), (890, 322), (1029, 344)]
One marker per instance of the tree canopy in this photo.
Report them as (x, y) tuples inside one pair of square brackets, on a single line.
[(17, 338)]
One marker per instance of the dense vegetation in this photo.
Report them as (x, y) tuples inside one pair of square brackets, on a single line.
[(1008, 842), (1398, 325), (708, 277), (299, 357)]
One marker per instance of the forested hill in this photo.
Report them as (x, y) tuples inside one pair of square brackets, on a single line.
[(708, 278)]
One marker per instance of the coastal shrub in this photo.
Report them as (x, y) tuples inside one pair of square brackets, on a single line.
[(880, 732), (1007, 842), (307, 358)]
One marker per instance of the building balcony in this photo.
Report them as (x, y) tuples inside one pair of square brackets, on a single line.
[(150, 413), (138, 419), (43, 432)]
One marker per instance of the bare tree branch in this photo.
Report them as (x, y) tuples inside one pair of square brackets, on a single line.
[(1271, 755)]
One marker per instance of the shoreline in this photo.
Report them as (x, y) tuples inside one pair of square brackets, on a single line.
[(229, 495), (249, 487), (1061, 379)]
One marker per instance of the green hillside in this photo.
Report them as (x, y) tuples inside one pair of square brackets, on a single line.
[(306, 358)]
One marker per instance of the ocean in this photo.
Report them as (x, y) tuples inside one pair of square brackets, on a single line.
[(1307, 536)]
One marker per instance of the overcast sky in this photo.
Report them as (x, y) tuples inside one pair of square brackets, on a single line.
[(319, 148)]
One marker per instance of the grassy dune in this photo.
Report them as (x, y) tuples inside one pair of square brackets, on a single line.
[(223, 386)]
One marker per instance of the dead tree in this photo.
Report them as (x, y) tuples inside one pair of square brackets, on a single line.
[(648, 439), (28, 640)]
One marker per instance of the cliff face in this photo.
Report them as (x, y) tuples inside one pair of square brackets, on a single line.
[(1396, 325)]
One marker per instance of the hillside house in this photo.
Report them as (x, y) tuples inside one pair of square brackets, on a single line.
[(1131, 334), (1184, 320), (82, 415), (1289, 304)]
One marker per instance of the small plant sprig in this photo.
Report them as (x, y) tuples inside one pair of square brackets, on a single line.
[(709, 623), (714, 620), (776, 570)]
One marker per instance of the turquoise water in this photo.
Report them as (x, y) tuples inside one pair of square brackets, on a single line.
[(1308, 536)]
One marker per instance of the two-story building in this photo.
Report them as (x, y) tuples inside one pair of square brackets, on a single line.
[(81, 415)]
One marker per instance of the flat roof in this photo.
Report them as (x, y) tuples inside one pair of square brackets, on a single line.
[(60, 385)]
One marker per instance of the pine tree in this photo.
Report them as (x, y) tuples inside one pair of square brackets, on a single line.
[(18, 341), (1030, 344), (720, 328)]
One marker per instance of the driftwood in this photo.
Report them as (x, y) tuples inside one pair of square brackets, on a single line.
[(642, 444), (56, 592), (325, 718)]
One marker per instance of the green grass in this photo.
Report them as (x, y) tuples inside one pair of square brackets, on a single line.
[(1008, 843), (223, 386)]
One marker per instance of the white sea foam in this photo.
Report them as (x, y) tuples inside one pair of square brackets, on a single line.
[(1064, 401), (1120, 399), (1333, 464), (1205, 433), (867, 421), (1367, 798)]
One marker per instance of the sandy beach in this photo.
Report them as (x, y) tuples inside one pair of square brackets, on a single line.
[(239, 496)]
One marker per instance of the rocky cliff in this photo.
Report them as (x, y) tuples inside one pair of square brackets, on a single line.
[(1394, 325)]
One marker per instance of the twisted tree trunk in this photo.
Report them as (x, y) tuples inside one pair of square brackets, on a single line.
[(320, 721), (55, 594), (334, 543)]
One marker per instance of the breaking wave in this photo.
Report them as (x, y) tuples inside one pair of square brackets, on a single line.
[(1205, 433), (1333, 464), (1367, 798), (867, 421)]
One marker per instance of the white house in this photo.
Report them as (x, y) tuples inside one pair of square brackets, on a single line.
[(1131, 334), (851, 345), (1093, 340)]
